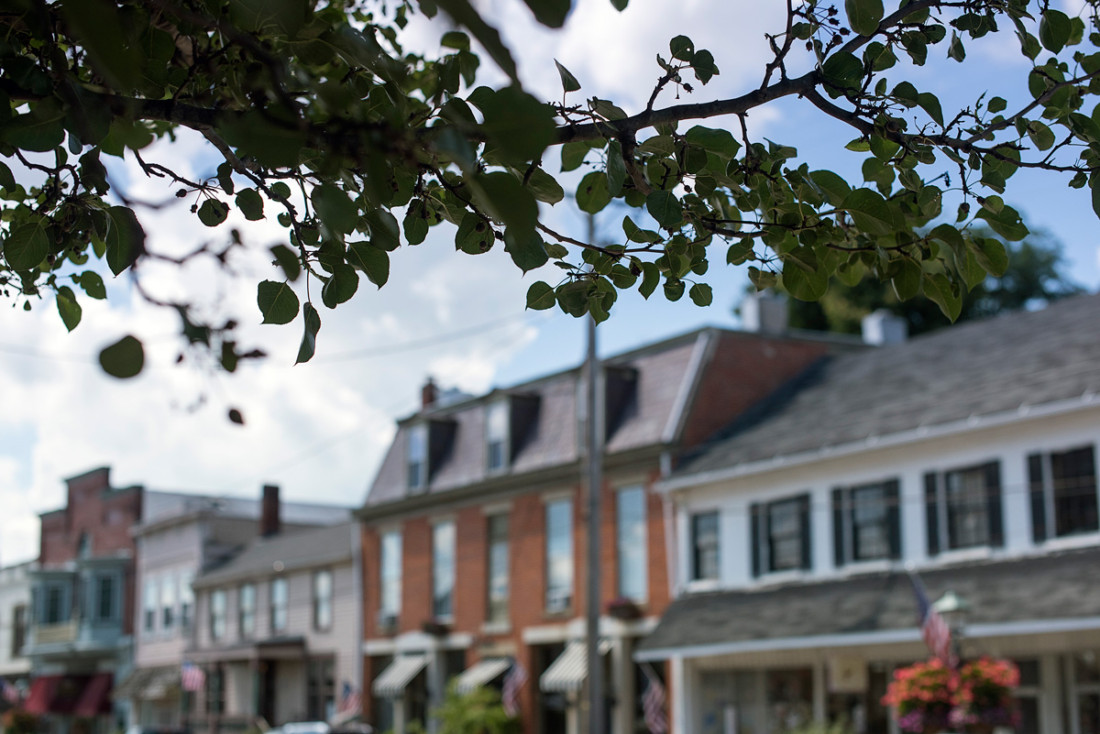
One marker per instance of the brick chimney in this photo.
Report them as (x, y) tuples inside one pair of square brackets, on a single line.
[(270, 521), (428, 394)]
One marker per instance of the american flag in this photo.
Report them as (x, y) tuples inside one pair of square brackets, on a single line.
[(191, 677), (513, 684), (653, 704), (9, 692), (350, 700), (933, 628)]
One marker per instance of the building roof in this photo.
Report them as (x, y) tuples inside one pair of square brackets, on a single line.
[(1053, 587), (284, 553), (161, 509), (1009, 364)]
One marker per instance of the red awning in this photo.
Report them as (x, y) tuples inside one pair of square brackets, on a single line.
[(96, 697), (42, 690), (79, 695)]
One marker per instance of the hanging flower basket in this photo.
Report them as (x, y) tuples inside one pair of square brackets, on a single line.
[(930, 697), (623, 608)]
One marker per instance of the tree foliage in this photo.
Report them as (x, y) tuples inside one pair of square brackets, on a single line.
[(323, 122)]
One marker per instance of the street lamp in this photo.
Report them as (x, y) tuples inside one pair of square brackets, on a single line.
[(953, 608)]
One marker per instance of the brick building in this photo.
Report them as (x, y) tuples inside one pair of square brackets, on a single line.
[(474, 530)]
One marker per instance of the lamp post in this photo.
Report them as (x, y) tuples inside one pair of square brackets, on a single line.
[(953, 608)]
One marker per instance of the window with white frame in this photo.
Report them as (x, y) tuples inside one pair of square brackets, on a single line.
[(781, 535), (168, 602), (1063, 493), (496, 435), (105, 602), (246, 610), (322, 600), (390, 576), (279, 601), (964, 508), (498, 567), (630, 532), (187, 600), (704, 546), (149, 603), (218, 612), (417, 456), (866, 522), (443, 569), (559, 555), (55, 605)]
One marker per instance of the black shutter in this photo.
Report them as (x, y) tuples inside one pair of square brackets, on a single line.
[(993, 492), (807, 537), (838, 528), (755, 516), (932, 512), (893, 516), (1038, 500)]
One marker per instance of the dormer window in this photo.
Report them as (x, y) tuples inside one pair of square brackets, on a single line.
[(496, 436), (418, 456)]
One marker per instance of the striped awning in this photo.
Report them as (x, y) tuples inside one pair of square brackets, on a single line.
[(481, 673), (568, 673), (392, 681)]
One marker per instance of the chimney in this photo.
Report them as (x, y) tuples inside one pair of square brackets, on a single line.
[(882, 327), (270, 521), (764, 312), (428, 394)]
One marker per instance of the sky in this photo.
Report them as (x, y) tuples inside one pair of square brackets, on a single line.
[(319, 430)]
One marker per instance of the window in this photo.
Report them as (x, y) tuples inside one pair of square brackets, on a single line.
[(321, 689), (18, 629), (246, 610), (498, 568), (443, 569), (105, 598), (168, 602), (390, 576), (866, 523), (496, 435), (322, 600), (559, 555), (417, 456), (704, 546), (187, 600), (279, 599), (149, 605), (630, 534), (217, 614), (1063, 493), (781, 535), (215, 689), (964, 508)]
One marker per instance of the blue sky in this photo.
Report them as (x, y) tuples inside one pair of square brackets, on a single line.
[(319, 430)]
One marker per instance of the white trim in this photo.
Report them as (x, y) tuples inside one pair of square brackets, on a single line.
[(556, 495), (497, 508), (897, 636), (921, 433), (676, 416)]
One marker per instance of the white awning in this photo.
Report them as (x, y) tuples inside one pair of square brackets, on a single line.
[(481, 673), (568, 673), (392, 681)]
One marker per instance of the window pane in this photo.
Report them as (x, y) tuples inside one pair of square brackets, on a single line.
[(247, 604), (870, 531), (168, 601), (187, 599), (631, 543), (498, 568), (322, 600), (105, 598), (967, 508), (559, 555), (497, 434), (417, 456), (1074, 478), (785, 535), (149, 605), (704, 534), (278, 604), (443, 569), (217, 614), (391, 573)]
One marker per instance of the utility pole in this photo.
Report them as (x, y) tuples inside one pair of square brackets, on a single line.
[(594, 459)]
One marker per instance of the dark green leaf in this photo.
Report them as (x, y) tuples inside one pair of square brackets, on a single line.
[(651, 277), (997, 104), (123, 359), (267, 138), (665, 208), (503, 196), (1007, 223), (550, 13), (682, 48), (341, 286), (592, 193), (277, 301), (701, 294), (113, 51), (235, 416), (703, 65), (540, 296), (907, 280), (213, 212), (67, 307), (283, 16), (335, 208), (7, 180), (616, 168), (288, 260), (26, 245), (125, 239), (384, 230), (92, 284), (871, 213), (474, 235), (518, 124), (931, 104), (864, 15), (569, 82), (251, 204), (312, 321), (372, 260), (545, 187), (526, 249), (1040, 134), (718, 141), (1054, 30), (572, 155), (833, 186), (942, 291), (991, 255)]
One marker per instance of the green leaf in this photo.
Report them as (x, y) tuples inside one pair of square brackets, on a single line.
[(616, 168), (312, 321), (572, 155), (40, 130), (113, 52), (125, 239), (907, 280), (270, 16), (864, 15), (415, 224), (832, 186), (620, 5), (1041, 135), (455, 39), (682, 48), (267, 138), (213, 212), (123, 359), (540, 296), (341, 286), (251, 204), (665, 208), (931, 104), (569, 82), (1054, 30), (27, 245), (1007, 223), (288, 261), (7, 179), (92, 284), (474, 235), (956, 50), (544, 187), (701, 294), (526, 249), (997, 104), (718, 141), (871, 213), (67, 307), (372, 260), (384, 230), (636, 234), (651, 277), (503, 196), (842, 70), (991, 255), (335, 208), (592, 193), (550, 13), (277, 301), (703, 65), (941, 291), (519, 125)]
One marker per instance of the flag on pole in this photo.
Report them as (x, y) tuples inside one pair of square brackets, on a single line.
[(513, 684), (350, 699), (653, 704), (192, 678), (9, 692), (933, 628)]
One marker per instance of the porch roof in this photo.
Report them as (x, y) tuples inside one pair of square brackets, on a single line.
[(1056, 591)]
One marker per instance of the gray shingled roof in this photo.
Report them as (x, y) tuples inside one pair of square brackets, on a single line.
[(292, 550), (975, 369), (1056, 586)]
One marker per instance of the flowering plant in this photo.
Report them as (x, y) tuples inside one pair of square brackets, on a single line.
[(932, 697)]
